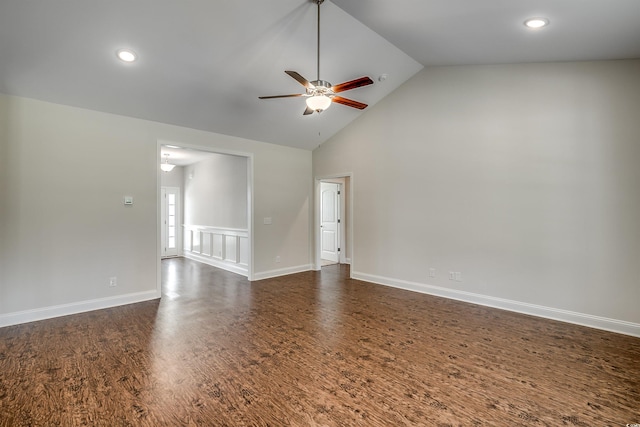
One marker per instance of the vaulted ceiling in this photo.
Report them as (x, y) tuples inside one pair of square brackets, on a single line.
[(202, 64)]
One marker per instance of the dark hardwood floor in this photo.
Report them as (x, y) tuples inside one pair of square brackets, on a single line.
[(311, 349)]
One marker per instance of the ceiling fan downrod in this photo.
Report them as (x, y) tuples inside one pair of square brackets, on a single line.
[(318, 2)]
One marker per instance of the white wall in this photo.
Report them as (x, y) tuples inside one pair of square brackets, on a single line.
[(215, 192), (524, 178), (64, 227), (173, 178)]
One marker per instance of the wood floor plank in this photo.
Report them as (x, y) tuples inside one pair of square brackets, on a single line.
[(311, 349)]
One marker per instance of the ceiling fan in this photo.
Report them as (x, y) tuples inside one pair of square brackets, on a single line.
[(320, 93)]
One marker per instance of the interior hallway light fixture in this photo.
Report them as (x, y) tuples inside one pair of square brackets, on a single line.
[(166, 166)]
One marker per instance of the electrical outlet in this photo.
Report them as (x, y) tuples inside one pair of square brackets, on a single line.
[(432, 272), (278, 258), (113, 281), (452, 275), (458, 276)]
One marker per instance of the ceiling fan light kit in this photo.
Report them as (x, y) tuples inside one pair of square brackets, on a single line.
[(318, 102), (320, 93)]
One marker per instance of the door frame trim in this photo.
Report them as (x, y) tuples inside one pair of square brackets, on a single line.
[(316, 263)]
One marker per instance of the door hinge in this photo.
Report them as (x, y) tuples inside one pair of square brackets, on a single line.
[(338, 221), (338, 193), (338, 249)]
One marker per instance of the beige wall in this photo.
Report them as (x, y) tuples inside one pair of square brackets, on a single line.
[(524, 178), (65, 229)]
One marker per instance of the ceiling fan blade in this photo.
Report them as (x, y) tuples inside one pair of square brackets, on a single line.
[(349, 102), (307, 111), (362, 81), (304, 82), (280, 96)]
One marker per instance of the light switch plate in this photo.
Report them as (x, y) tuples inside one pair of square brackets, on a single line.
[(128, 200)]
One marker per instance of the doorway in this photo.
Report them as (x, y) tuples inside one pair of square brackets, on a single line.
[(333, 235), (202, 238)]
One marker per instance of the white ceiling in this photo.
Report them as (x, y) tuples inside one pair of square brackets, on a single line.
[(464, 32), (203, 64)]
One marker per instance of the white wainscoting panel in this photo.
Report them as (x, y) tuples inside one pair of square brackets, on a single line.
[(195, 242), (217, 245), (207, 244), (244, 251), (231, 249), (226, 248)]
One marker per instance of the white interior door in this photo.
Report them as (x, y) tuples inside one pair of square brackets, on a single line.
[(329, 208), (170, 220)]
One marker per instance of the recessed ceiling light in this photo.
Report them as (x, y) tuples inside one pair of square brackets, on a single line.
[(126, 55), (535, 23)]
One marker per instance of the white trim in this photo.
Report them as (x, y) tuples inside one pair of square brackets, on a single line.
[(234, 268), (282, 272), (250, 187), (604, 323), (159, 219), (74, 308)]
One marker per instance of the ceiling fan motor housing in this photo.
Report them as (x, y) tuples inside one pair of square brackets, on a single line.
[(320, 87)]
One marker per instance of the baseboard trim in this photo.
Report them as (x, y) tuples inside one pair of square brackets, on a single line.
[(238, 269), (44, 313), (607, 324), (282, 272)]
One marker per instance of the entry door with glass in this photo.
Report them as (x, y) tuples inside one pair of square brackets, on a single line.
[(170, 220)]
